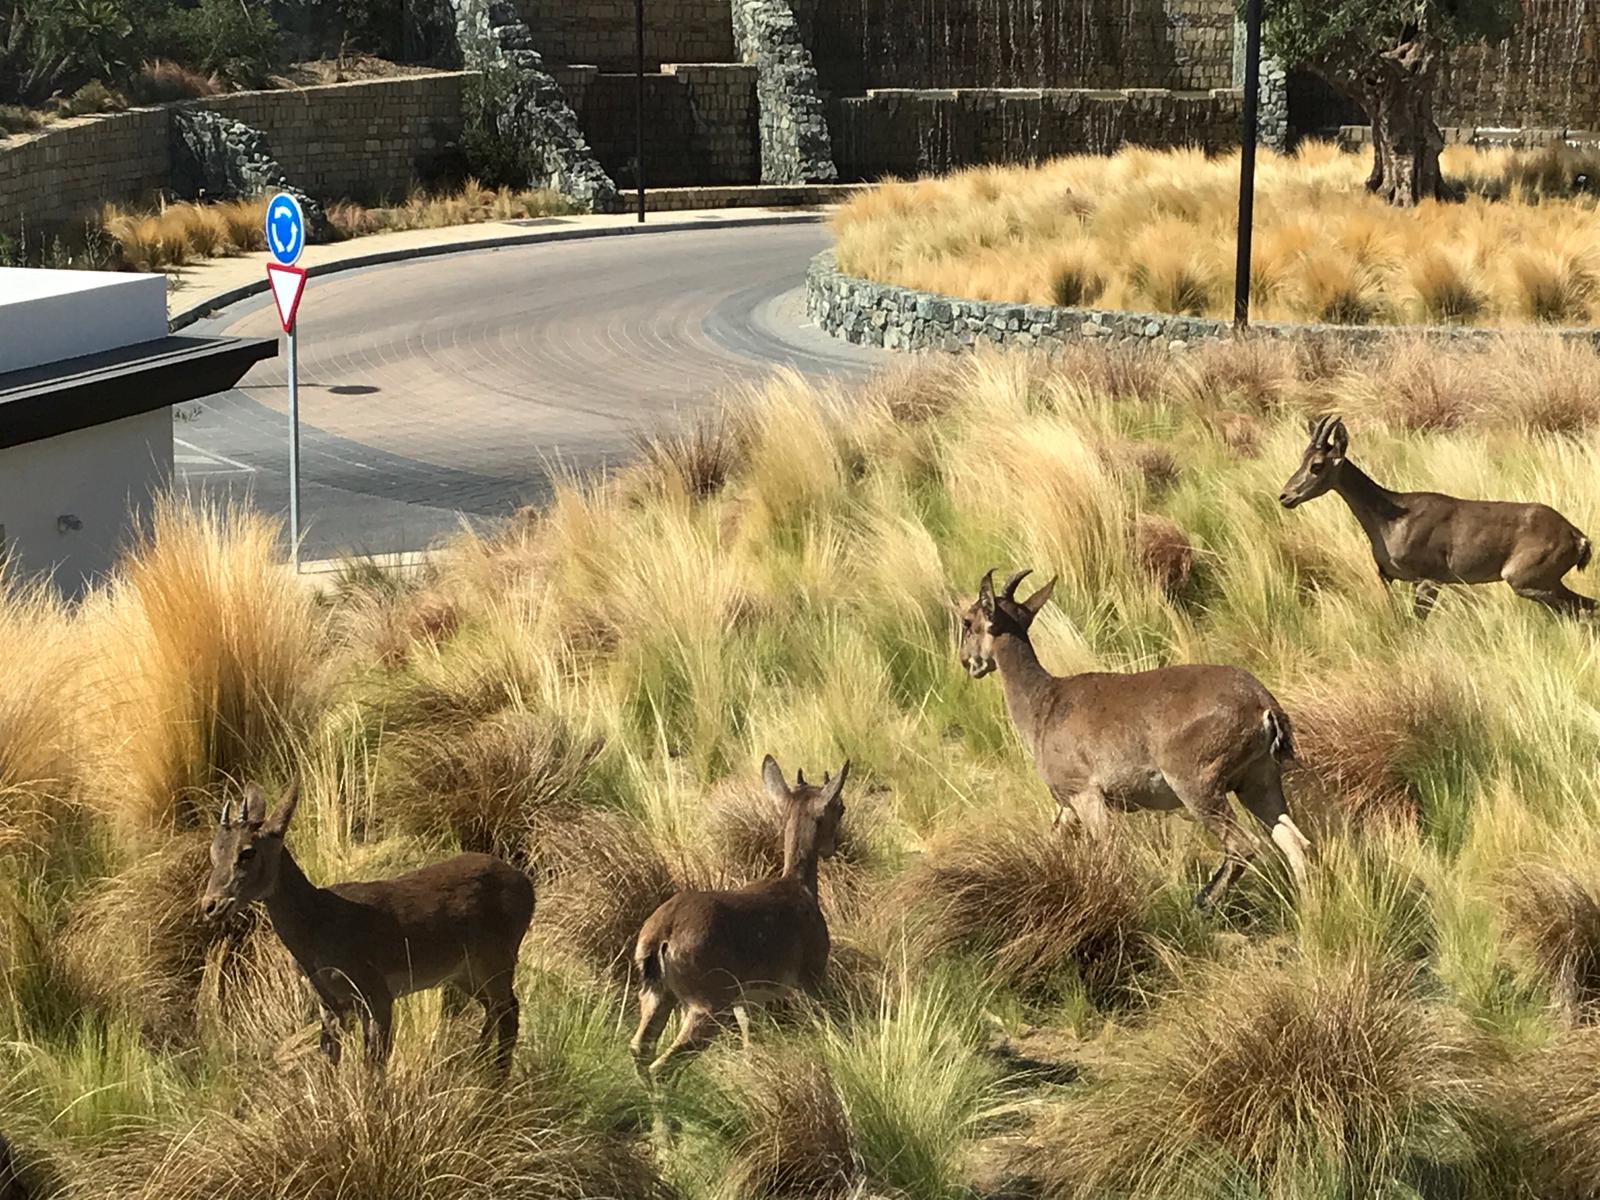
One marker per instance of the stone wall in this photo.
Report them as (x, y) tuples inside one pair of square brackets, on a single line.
[(898, 318), (361, 140), (863, 44), (909, 133), (1546, 75), (793, 121), (700, 122), (601, 32), (64, 172)]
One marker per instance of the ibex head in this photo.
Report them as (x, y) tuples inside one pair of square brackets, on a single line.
[(1319, 467), (991, 616), (808, 806), (245, 853)]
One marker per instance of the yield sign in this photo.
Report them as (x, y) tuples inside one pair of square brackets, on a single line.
[(287, 285)]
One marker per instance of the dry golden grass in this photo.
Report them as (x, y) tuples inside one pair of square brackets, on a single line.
[(1555, 1103), (1553, 911), (41, 754), (208, 656), (177, 234), (795, 1137), (1153, 230)]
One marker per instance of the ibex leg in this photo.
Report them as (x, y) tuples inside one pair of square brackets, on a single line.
[(1091, 813), (1208, 804), (697, 1029), (1265, 801), (741, 1014), (1423, 597), (655, 1007)]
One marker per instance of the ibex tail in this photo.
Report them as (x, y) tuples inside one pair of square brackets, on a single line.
[(1585, 551), (650, 966), (1280, 734)]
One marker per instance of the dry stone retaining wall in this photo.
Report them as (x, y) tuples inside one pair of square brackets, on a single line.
[(899, 318), (795, 144), (600, 33)]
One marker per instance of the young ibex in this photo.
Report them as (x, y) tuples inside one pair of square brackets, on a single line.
[(710, 952), (1174, 737), (1430, 539), (363, 945)]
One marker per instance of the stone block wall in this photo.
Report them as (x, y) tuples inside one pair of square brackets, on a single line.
[(795, 139), (360, 140), (722, 97), (1546, 75), (910, 133), (601, 32), (64, 172)]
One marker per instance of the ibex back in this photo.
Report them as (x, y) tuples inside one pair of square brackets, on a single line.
[(363, 945), (712, 952), (1175, 737), (1428, 538)]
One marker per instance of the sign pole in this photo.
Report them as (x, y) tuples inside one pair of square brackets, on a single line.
[(294, 451)]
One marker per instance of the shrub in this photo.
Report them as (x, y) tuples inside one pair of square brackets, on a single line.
[(1075, 278), (1259, 1079), (1035, 904), (161, 81), (1554, 915), (238, 42), (1163, 552), (93, 97), (16, 119), (793, 1136), (1445, 289), (418, 1131), (493, 787), (201, 625), (695, 462)]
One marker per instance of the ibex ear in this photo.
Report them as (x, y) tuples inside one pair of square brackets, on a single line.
[(254, 807), (1338, 437), (772, 776), (279, 825), (831, 790), (986, 593), (1038, 600)]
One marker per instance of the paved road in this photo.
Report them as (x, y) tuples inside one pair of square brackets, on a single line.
[(454, 387)]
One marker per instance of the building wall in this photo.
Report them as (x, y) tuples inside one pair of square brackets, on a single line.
[(105, 477), (601, 33), (910, 133)]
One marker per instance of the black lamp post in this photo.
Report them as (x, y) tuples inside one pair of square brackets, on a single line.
[(638, 116), (1247, 161)]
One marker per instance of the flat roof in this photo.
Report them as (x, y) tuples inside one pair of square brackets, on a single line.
[(37, 283), (95, 389)]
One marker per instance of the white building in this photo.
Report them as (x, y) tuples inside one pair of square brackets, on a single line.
[(88, 378)]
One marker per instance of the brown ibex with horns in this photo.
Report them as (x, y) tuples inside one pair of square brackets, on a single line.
[(364, 945), (1175, 737), (1429, 539)]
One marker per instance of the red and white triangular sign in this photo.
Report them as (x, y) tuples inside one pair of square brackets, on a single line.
[(288, 283)]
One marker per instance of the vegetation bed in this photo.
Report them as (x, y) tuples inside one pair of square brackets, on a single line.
[(1153, 231), (588, 691)]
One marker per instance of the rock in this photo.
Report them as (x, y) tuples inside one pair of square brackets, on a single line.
[(793, 124), (217, 158)]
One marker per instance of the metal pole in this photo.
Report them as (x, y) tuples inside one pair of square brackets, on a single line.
[(294, 453), (1247, 161), (638, 116)]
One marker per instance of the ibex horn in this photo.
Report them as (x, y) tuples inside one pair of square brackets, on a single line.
[(1324, 426), (800, 777), (226, 805), (1009, 592)]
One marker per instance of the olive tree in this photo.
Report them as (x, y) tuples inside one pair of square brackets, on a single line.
[(1385, 55)]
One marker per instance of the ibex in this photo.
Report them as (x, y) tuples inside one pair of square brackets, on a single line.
[(1174, 737), (363, 945), (1430, 539), (709, 952)]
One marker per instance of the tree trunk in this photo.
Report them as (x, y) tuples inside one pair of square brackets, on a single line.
[(1396, 89)]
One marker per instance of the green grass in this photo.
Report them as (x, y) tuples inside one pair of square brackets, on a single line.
[(589, 690)]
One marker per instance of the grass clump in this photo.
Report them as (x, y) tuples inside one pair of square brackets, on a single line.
[(1553, 913)]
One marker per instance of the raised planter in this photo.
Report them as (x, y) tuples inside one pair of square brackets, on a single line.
[(902, 318)]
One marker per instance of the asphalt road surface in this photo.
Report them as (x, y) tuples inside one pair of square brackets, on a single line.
[(453, 388)]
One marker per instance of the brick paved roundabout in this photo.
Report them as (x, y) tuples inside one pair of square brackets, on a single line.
[(454, 387)]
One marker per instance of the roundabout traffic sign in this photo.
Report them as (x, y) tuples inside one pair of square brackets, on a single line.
[(286, 229)]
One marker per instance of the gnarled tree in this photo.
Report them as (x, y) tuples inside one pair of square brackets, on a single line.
[(1385, 55)]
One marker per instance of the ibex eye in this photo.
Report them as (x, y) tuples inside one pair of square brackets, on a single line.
[(247, 854)]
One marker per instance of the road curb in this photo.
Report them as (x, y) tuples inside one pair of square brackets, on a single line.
[(212, 304)]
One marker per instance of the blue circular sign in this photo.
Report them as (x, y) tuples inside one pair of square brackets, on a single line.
[(286, 229)]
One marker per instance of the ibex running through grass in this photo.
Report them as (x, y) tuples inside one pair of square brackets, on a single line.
[(1175, 737), (363, 945), (711, 952), (1430, 539)]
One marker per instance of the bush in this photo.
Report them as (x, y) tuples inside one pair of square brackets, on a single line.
[(93, 97), (162, 81), (238, 42), (16, 119)]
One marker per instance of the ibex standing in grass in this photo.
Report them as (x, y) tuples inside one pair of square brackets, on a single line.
[(363, 945), (1429, 539), (1176, 737), (712, 952)]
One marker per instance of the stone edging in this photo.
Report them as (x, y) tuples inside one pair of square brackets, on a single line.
[(214, 303), (900, 318)]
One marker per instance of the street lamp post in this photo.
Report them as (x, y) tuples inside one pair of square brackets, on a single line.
[(1247, 161), (638, 115)]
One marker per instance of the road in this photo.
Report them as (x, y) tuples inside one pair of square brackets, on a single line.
[(455, 387)]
